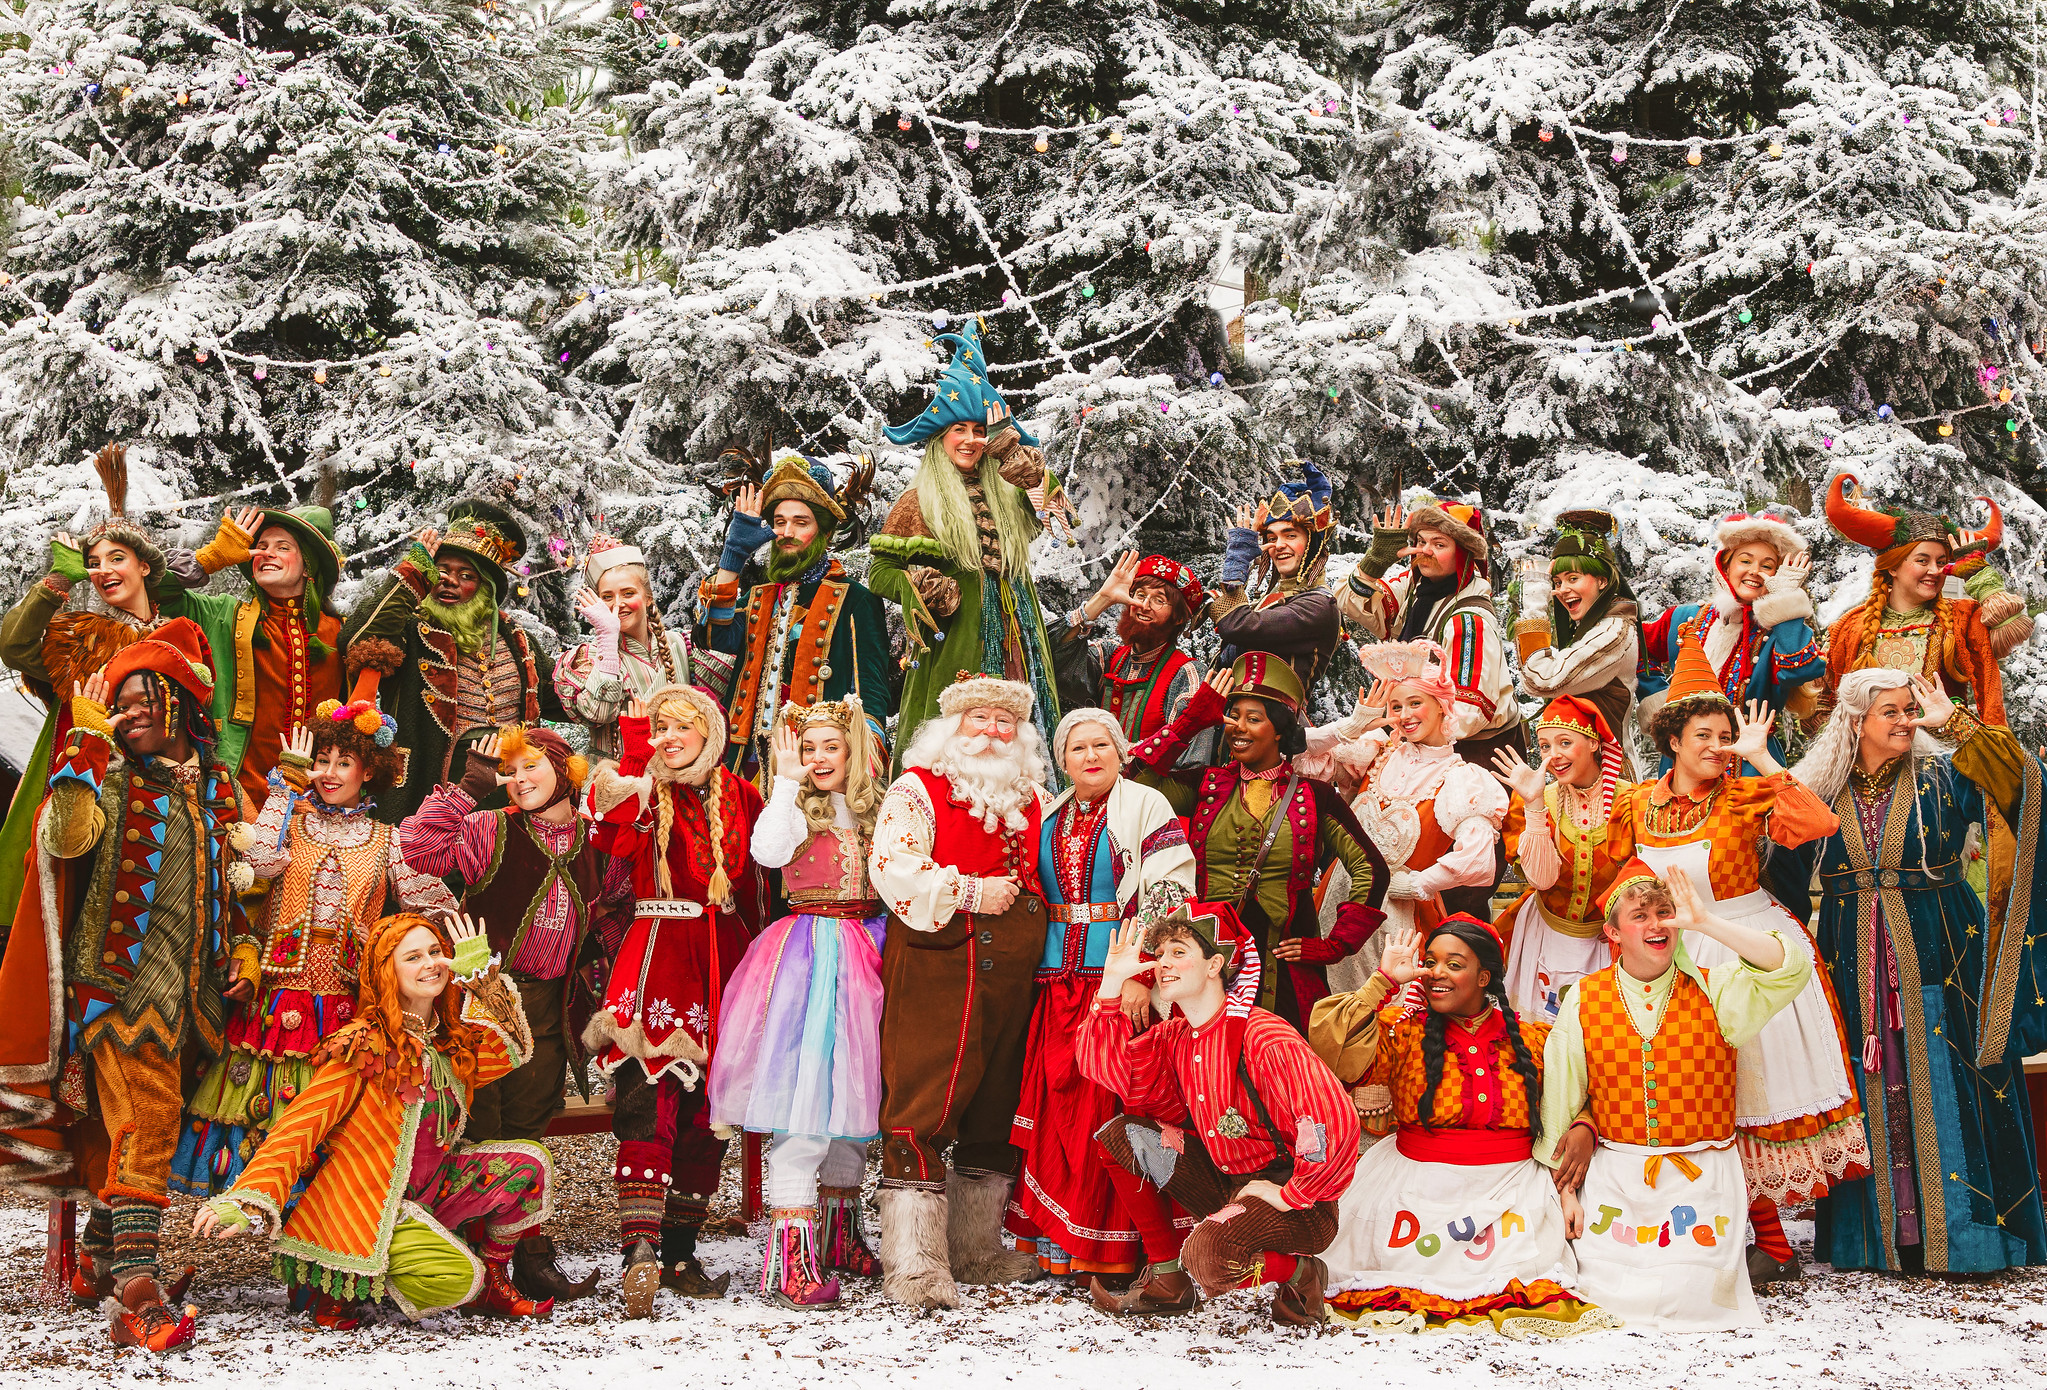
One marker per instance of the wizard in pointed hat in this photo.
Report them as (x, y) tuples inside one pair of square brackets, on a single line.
[(955, 551)]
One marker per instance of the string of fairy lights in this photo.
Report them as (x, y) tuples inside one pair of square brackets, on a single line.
[(2005, 381)]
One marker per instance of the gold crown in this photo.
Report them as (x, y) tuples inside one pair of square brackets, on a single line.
[(483, 537), (840, 714)]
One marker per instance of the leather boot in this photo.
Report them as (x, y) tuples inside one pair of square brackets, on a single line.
[(1159, 1292), (642, 1280), (1763, 1269), (1298, 1302), (789, 1272), (535, 1274), (499, 1299), (688, 1278), (138, 1318)]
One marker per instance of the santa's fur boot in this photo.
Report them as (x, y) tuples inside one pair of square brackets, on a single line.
[(973, 1231), (914, 1271)]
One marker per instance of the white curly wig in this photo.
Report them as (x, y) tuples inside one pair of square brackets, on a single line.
[(1826, 765)]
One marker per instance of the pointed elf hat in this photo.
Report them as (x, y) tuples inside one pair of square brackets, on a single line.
[(1221, 932), (1692, 676), (1633, 874), (962, 394), (177, 651), (1892, 534), (1582, 717), (312, 527)]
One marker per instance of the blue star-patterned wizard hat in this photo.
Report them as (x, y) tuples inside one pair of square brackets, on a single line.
[(963, 392)]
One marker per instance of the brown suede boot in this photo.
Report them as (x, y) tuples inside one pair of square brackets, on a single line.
[(1298, 1302), (535, 1274), (1161, 1291)]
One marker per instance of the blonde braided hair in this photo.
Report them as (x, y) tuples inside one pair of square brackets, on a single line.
[(719, 889)]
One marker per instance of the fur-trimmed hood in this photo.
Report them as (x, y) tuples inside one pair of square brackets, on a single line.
[(706, 761), (1740, 530)]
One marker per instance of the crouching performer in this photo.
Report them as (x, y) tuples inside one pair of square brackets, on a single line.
[(1646, 1049), (377, 1141), (1453, 1224), (1228, 1110)]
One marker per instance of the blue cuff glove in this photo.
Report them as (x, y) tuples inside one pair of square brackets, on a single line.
[(743, 537), (1240, 552)]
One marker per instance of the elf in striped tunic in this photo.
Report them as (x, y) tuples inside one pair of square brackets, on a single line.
[(377, 1141)]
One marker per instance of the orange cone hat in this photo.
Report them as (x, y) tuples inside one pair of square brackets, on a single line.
[(1692, 676)]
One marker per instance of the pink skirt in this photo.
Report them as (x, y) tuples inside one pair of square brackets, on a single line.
[(799, 1032)]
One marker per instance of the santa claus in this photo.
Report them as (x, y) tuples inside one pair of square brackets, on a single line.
[(955, 860)]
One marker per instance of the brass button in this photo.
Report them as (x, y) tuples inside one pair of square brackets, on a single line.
[(109, 957), (133, 835), (72, 751), (121, 896), (127, 866), (134, 805)]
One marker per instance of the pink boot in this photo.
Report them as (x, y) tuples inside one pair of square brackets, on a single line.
[(845, 1246), (789, 1272)]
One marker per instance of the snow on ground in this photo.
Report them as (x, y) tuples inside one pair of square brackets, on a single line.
[(1834, 1331)]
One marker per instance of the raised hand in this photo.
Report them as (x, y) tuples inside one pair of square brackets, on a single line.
[(94, 687), (1402, 960), (1246, 517), (787, 747), (299, 743), (635, 707), (1752, 730), (1797, 567), (1394, 518), (998, 414), (1222, 680), (470, 957), (429, 540), (1935, 708), (595, 611), (1116, 588), (1517, 776), (747, 501), (1124, 959), (248, 519), (1688, 913), (490, 747)]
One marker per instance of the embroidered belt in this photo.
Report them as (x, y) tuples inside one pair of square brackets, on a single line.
[(837, 907), (667, 907), (1084, 912), (1866, 880)]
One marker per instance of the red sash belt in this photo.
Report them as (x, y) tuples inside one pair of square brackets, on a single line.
[(1465, 1146)]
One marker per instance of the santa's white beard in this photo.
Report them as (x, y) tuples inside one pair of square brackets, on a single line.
[(996, 779)]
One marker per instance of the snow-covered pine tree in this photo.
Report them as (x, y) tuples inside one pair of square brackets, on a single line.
[(1745, 245), (805, 189), (261, 238)]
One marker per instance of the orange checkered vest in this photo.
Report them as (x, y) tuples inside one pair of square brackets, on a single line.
[(1670, 1091)]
